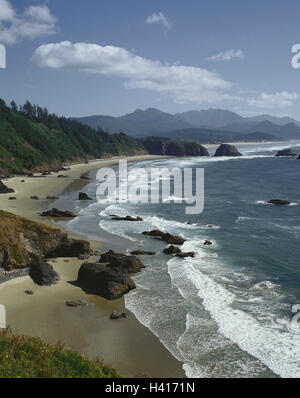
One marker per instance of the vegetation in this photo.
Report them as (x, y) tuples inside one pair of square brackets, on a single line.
[(28, 357), (30, 137)]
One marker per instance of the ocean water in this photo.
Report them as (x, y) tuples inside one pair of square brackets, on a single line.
[(228, 311)]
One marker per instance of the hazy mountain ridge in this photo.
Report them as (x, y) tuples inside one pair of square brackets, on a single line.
[(155, 122)]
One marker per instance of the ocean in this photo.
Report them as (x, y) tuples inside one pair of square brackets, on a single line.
[(227, 312)]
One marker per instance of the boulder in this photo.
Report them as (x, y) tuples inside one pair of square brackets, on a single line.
[(126, 263), (207, 243), (52, 197), (12, 198), (63, 176), (172, 250), (165, 236), (71, 248), (5, 189), (187, 254), (103, 281), (76, 303), (127, 218), (85, 177), (279, 202), (142, 253), (55, 213), (29, 292), (118, 315), (227, 150), (43, 273), (286, 152), (83, 196), (34, 197)]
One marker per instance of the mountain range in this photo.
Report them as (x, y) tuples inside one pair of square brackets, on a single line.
[(218, 123)]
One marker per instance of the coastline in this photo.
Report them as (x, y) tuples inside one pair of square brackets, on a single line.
[(126, 345)]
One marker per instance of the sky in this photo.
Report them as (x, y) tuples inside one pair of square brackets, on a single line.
[(91, 57)]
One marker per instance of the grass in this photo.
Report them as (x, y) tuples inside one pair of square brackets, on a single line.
[(27, 357)]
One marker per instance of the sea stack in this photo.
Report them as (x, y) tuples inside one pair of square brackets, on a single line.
[(286, 152), (227, 150)]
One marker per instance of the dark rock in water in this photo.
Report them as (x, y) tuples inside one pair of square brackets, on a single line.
[(127, 218), (12, 198), (29, 292), (191, 223), (227, 150), (22, 180), (207, 243), (172, 250), (279, 202), (62, 176), (187, 254), (43, 273), (55, 213), (127, 264), (76, 303), (118, 315), (142, 253), (52, 197), (5, 189), (103, 281), (71, 248), (34, 197), (83, 196), (165, 236), (85, 178), (286, 152)]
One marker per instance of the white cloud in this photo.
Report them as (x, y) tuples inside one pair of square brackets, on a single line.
[(160, 18), (183, 83), (281, 99), (227, 55), (35, 21)]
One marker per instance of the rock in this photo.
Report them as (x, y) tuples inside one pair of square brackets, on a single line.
[(172, 250), (286, 152), (142, 253), (127, 264), (127, 218), (43, 273), (83, 196), (55, 213), (76, 303), (103, 281), (34, 197), (22, 180), (118, 315), (63, 176), (279, 202), (28, 292), (165, 236), (52, 197), (227, 150), (5, 189), (84, 256), (207, 243), (30, 174), (12, 198), (85, 178), (71, 248), (187, 254)]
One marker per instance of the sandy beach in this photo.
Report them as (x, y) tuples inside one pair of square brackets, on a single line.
[(126, 345)]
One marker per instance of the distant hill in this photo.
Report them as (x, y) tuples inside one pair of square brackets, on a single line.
[(155, 122)]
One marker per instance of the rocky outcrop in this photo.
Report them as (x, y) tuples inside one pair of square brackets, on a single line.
[(187, 254), (103, 281), (227, 150), (164, 146), (83, 196), (165, 236), (279, 202), (172, 250), (55, 213), (118, 315), (43, 273), (5, 189), (126, 263), (207, 243), (286, 152), (126, 218), (22, 241), (52, 197), (142, 253)]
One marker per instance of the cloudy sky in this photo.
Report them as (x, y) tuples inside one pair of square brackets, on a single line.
[(84, 57)]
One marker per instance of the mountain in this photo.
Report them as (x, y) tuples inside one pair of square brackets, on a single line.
[(155, 122)]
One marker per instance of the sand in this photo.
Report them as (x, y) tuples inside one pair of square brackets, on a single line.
[(125, 344)]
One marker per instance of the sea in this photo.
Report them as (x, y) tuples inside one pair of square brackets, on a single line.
[(231, 311)]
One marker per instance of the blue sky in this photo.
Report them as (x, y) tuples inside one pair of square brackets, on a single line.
[(84, 57)]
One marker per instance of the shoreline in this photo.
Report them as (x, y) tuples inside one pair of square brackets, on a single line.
[(126, 345)]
